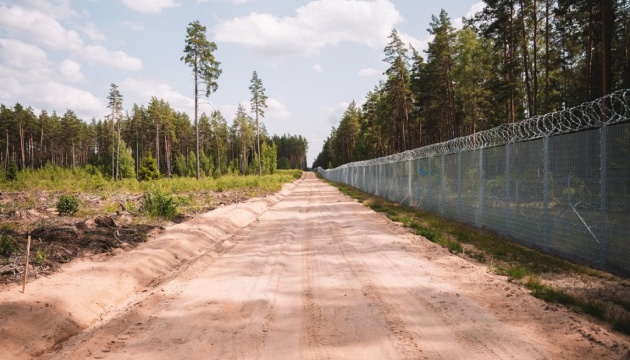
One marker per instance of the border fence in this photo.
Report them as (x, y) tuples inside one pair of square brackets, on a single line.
[(558, 182)]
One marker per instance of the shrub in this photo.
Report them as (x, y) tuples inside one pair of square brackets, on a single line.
[(39, 256), (149, 170), (67, 205), (159, 203), (8, 246), (12, 171)]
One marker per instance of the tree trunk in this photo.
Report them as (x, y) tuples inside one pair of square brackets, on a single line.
[(535, 61), (606, 46), (547, 99), (157, 142), (113, 144), (6, 162), (196, 119), (118, 154), (512, 114), (258, 145), (41, 147), (589, 52), (218, 152), (526, 61), (23, 155)]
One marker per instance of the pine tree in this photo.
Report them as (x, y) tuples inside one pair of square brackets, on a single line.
[(258, 103), (12, 171), (396, 55), (115, 104), (148, 170), (199, 56)]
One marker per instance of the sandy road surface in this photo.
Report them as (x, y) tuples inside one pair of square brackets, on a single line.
[(308, 275)]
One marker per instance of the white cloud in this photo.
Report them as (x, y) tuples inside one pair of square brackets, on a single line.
[(38, 27), (41, 91), (19, 55), (229, 111), (418, 44), (235, 2), (276, 110), (336, 112), (314, 26), (318, 68), (150, 6), (59, 9), (91, 31), (367, 72), (145, 89), (60, 96), (475, 8), (71, 71), (134, 25), (97, 54)]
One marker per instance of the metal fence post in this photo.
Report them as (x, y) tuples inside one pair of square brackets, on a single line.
[(442, 186), (603, 165), (410, 175), (459, 184), (506, 213), (482, 190), (429, 181), (545, 219)]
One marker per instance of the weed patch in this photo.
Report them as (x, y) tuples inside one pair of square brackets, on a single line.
[(159, 203), (8, 246), (67, 205), (547, 293), (517, 272)]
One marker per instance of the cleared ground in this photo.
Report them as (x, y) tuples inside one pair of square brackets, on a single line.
[(306, 274)]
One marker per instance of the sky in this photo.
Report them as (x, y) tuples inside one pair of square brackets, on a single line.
[(314, 57)]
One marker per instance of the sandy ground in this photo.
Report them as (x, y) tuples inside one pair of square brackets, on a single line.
[(305, 274)]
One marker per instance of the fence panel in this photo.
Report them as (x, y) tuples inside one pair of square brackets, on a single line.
[(546, 185)]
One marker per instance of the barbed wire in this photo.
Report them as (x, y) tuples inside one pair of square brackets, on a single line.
[(607, 110)]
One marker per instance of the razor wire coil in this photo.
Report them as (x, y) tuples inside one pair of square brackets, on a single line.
[(607, 110)]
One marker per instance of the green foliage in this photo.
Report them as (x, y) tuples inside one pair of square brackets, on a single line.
[(39, 256), (126, 162), (269, 158), (283, 163), (12, 171), (159, 203), (198, 54), (67, 205), (428, 233), (517, 272), (206, 164), (547, 293), (8, 246), (149, 170)]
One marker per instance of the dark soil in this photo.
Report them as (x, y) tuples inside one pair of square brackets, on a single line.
[(102, 228)]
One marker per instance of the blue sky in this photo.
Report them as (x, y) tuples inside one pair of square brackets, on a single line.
[(314, 57)]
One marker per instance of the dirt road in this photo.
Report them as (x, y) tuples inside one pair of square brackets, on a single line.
[(308, 274)]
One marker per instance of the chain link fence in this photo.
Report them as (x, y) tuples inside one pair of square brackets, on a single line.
[(558, 182)]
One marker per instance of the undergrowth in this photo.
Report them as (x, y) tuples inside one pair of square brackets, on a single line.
[(88, 179)]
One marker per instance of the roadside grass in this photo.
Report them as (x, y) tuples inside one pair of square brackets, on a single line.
[(518, 263)]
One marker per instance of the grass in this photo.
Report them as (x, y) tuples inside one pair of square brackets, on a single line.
[(507, 258), (89, 180)]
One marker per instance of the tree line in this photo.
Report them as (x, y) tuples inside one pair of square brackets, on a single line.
[(513, 60), (118, 145)]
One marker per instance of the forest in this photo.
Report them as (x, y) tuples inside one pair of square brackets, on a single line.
[(155, 140), (32, 141), (513, 60)]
